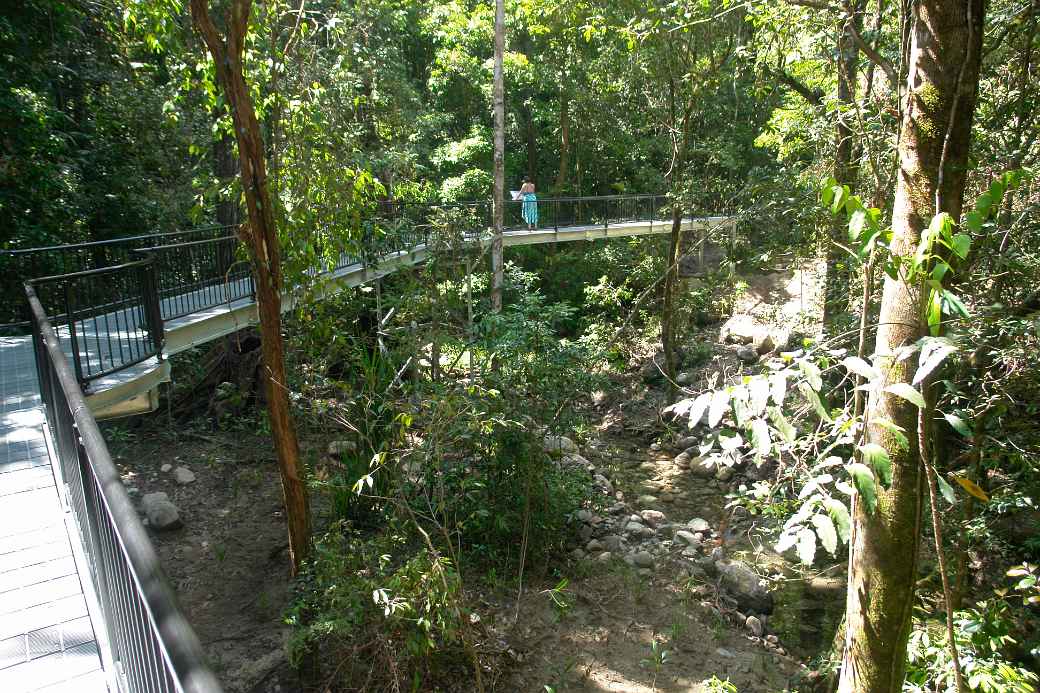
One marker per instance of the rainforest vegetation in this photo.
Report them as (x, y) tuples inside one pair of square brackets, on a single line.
[(799, 451)]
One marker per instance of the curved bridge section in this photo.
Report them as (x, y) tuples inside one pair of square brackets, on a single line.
[(171, 292)]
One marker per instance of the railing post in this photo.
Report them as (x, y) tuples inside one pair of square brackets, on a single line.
[(150, 297), (76, 365)]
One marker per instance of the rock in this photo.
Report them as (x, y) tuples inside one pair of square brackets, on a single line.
[(698, 524), (682, 460), (724, 473), (754, 624), (162, 514), (652, 518), (744, 329), (743, 584), (708, 566), (611, 542), (573, 459), (594, 546), (634, 528), (603, 483), (718, 554), (559, 445), (635, 518), (583, 515), (667, 497), (604, 557), (723, 652), (651, 372), (691, 552), (648, 467), (132, 491), (772, 639), (183, 476), (684, 378), (747, 354), (702, 468), (647, 500), (655, 446), (643, 559), (766, 471), (585, 532), (166, 467), (688, 538), (687, 442), (339, 447), (577, 554)]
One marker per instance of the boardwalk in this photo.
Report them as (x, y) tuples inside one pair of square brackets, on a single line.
[(47, 641)]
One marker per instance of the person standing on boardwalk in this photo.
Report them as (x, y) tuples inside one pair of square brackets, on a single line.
[(530, 204)]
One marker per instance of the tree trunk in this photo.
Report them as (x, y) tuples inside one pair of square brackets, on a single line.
[(845, 168), (497, 274), (668, 309), (942, 83), (565, 143), (261, 238)]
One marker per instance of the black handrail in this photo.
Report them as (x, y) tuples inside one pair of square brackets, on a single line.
[(153, 647), (109, 316)]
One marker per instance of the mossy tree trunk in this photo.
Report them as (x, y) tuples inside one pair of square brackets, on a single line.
[(942, 85)]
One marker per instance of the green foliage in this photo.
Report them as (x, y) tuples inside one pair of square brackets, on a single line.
[(406, 610), (982, 634)]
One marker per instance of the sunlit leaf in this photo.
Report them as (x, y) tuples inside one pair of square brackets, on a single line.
[(825, 530), (812, 374), (958, 424), (778, 387), (933, 352), (840, 515), (718, 407), (972, 488), (760, 437), (855, 364), (814, 399), (945, 489), (908, 392), (806, 545), (697, 409), (897, 431), (758, 390)]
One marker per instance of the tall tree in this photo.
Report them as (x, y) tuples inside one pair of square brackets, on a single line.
[(260, 235), (498, 277), (942, 85)]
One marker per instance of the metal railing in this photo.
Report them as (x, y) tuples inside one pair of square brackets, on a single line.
[(153, 648), (18, 266), (107, 319)]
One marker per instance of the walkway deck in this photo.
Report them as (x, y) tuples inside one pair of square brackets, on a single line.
[(47, 642)]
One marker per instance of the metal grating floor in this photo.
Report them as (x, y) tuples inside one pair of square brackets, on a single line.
[(47, 642)]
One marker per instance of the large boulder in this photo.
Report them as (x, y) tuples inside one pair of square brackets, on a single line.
[(744, 585), (744, 329)]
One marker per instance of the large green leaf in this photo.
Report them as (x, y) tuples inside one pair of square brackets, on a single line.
[(908, 392), (863, 479), (840, 514), (877, 457), (825, 530)]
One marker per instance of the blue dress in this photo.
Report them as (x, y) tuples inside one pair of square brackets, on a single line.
[(530, 209)]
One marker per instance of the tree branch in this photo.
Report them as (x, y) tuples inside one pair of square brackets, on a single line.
[(874, 56), (813, 96)]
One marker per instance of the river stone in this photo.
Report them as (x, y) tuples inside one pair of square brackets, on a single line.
[(698, 524), (724, 473), (754, 624), (682, 460), (338, 447), (183, 476), (688, 538), (647, 500), (743, 584), (643, 559), (634, 528), (603, 483), (594, 546), (702, 468), (612, 542), (559, 445), (747, 354), (162, 514), (583, 515), (652, 517), (604, 557), (165, 468)]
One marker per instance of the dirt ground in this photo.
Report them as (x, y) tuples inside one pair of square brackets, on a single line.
[(228, 564)]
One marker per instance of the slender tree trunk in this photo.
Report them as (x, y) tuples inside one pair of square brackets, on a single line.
[(497, 271), (668, 309), (845, 168), (565, 142), (942, 84), (261, 238)]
